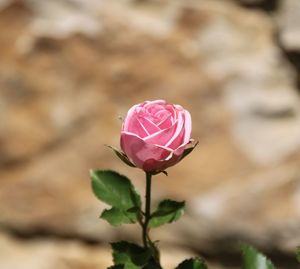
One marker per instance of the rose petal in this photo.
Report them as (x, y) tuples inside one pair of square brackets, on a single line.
[(135, 126), (166, 122), (156, 102), (161, 165), (187, 133), (138, 124), (161, 116), (140, 152), (156, 111), (187, 127), (162, 137), (149, 125), (129, 115), (178, 136)]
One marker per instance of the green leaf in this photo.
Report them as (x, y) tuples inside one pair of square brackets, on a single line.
[(119, 266), (122, 156), (116, 216), (195, 263), (154, 250), (298, 254), (189, 150), (115, 189), (168, 211), (152, 264), (252, 259), (130, 255)]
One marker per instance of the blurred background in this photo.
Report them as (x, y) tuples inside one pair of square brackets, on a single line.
[(69, 69)]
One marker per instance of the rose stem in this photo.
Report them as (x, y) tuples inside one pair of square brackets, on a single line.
[(147, 208)]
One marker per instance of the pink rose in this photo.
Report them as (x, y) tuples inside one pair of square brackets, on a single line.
[(155, 135)]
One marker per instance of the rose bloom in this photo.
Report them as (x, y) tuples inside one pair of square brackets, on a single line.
[(155, 134)]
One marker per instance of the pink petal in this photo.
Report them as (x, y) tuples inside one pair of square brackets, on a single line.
[(161, 165), (187, 134), (162, 137), (166, 123), (156, 102), (135, 126), (178, 135), (149, 125), (129, 115), (140, 152), (187, 127)]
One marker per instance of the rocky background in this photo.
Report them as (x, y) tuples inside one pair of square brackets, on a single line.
[(70, 68)]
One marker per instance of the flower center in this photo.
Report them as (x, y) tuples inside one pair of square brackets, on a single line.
[(158, 115)]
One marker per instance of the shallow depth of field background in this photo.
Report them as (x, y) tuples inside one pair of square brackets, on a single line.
[(69, 69)]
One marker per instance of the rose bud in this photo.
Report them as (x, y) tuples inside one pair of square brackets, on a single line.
[(155, 135)]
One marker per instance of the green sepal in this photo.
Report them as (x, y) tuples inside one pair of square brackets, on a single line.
[(167, 211), (253, 259), (189, 150), (130, 255), (116, 216), (158, 172), (114, 189), (122, 156), (195, 263), (298, 254)]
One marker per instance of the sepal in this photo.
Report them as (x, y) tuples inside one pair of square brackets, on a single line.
[(158, 172), (191, 146), (122, 156)]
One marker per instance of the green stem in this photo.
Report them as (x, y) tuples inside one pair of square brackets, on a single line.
[(147, 209)]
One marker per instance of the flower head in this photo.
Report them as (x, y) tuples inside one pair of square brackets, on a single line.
[(155, 134)]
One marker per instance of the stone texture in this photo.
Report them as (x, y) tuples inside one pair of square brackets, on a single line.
[(259, 83), (62, 92), (252, 1), (46, 254), (289, 24), (71, 254)]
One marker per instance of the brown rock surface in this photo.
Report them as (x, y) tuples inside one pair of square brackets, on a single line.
[(289, 24), (71, 254), (44, 254), (67, 76)]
